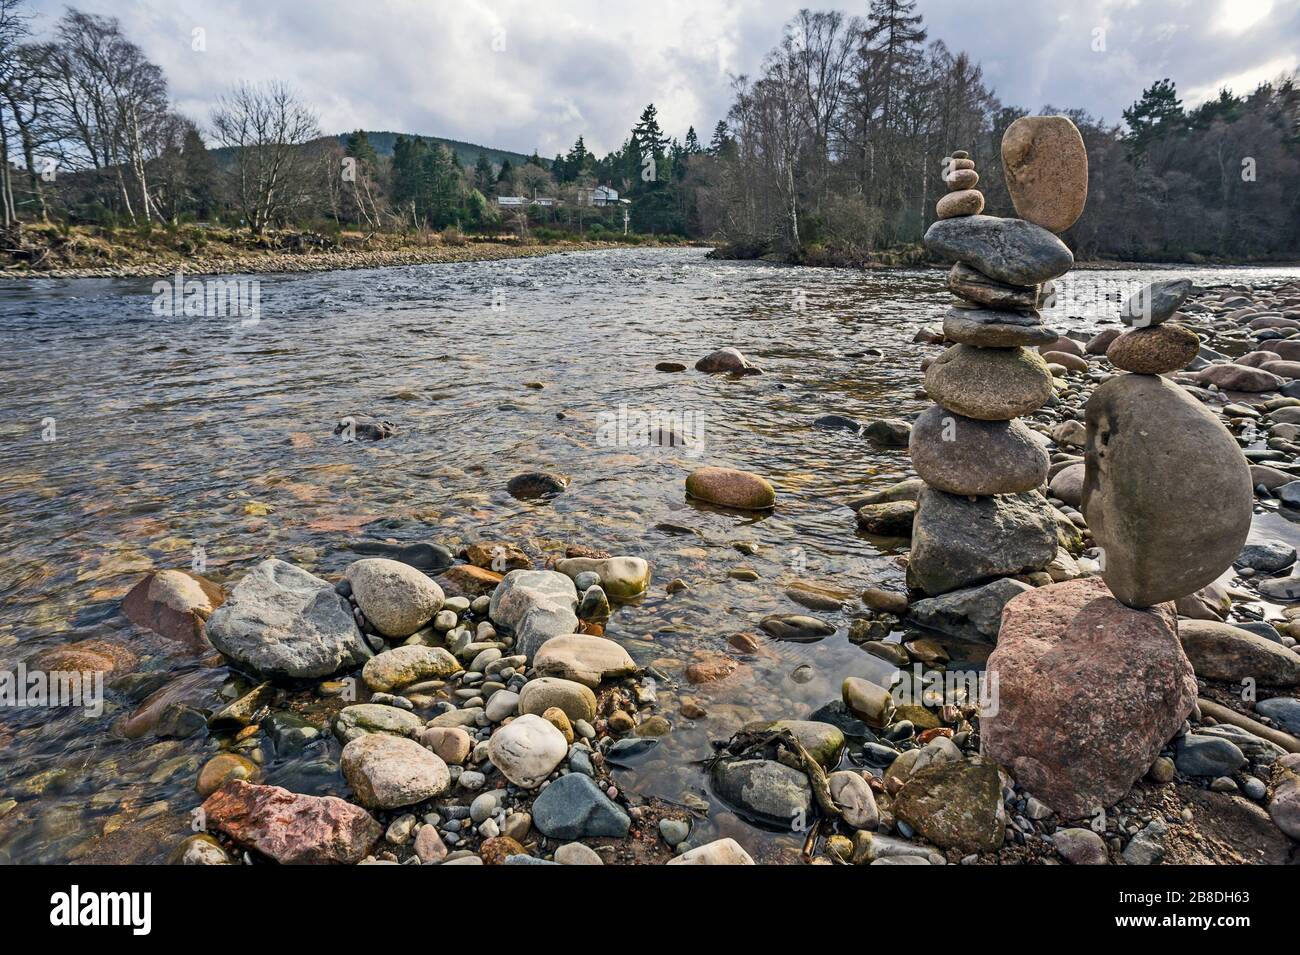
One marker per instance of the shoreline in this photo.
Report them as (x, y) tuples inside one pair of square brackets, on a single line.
[(289, 263), (272, 263)]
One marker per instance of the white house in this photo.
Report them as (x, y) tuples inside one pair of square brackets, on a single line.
[(601, 196), (518, 201)]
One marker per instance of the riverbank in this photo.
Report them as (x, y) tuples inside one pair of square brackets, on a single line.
[(52, 253), (915, 256), (500, 459)]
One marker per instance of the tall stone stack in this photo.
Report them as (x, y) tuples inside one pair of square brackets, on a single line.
[(981, 515), (1091, 677)]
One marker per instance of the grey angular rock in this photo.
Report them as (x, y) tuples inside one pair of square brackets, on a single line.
[(959, 541), (1166, 493), (1012, 251), (281, 623), (963, 455), (974, 613), (1148, 846), (1267, 556), (536, 605), (573, 807), (1154, 303), (1208, 756)]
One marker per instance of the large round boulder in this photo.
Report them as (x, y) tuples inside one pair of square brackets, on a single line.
[(991, 384), (1046, 168), (1167, 492), (963, 455), (1083, 693)]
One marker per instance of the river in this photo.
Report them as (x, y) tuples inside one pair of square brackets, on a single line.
[(172, 433)]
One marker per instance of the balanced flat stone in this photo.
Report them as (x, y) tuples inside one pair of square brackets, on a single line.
[(1154, 303), (963, 455), (958, 541), (1046, 166), (1009, 250), (1167, 492), (974, 286), (964, 202), (988, 328), (1154, 350), (992, 384)]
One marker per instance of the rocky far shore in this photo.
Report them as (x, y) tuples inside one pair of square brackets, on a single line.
[(268, 262)]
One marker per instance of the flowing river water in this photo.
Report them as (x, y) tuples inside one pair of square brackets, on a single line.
[(171, 434)]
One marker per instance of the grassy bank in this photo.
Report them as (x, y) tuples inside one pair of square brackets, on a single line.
[(51, 251)]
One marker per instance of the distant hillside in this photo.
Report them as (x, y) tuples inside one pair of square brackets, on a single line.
[(467, 153)]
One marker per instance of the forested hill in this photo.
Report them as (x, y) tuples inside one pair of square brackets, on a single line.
[(466, 153)]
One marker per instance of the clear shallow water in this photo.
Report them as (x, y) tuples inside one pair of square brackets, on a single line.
[(167, 429)]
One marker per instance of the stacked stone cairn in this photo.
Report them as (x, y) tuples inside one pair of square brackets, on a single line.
[(1091, 679), (980, 515)]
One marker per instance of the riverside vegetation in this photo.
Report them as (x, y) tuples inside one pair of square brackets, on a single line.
[(482, 704), (826, 156)]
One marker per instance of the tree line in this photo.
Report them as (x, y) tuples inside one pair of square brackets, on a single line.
[(831, 152), (837, 146)]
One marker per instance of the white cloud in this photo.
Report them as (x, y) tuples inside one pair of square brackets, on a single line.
[(589, 67)]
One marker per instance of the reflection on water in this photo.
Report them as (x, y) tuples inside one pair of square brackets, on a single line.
[(172, 434)]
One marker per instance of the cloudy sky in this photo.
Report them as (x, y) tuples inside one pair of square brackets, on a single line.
[(533, 74)]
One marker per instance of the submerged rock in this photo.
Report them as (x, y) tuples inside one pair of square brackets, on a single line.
[(729, 487), (282, 623), (1088, 691), (959, 541), (765, 791), (1166, 494), (174, 603), (728, 360), (536, 484)]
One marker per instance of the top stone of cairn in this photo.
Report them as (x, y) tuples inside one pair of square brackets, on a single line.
[(1046, 168)]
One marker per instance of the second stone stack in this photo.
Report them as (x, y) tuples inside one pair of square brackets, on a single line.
[(981, 515)]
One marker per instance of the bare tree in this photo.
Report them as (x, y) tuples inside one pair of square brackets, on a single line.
[(267, 125)]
